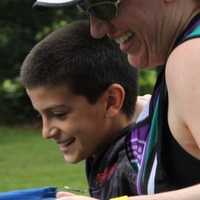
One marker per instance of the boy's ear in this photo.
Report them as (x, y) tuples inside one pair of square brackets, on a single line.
[(115, 95)]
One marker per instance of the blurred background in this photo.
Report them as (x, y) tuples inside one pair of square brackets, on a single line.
[(25, 159)]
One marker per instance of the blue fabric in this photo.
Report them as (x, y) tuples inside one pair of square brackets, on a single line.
[(47, 193)]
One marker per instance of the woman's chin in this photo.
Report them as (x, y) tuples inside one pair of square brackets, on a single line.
[(140, 62), (134, 61)]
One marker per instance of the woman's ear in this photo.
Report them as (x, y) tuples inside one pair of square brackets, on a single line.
[(115, 95)]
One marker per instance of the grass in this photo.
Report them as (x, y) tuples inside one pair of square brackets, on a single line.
[(26, 161)]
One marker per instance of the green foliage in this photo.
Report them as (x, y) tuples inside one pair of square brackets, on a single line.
[(147, 81), (15, 105), (29, 161), (21, 28)]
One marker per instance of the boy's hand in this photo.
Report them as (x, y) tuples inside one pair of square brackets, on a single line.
[(67, 196), (70, 196), (61, 194)]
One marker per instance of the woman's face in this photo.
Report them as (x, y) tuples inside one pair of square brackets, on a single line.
[(136, 29)]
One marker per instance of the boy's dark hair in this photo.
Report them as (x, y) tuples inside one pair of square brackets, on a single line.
[(70, 56)]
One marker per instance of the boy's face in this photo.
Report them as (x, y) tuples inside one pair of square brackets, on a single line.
[(79, 128)]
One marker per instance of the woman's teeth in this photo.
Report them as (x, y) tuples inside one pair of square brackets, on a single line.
[(124, 38)]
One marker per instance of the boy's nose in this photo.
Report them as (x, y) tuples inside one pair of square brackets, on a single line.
[(98, 28), (48, 132)]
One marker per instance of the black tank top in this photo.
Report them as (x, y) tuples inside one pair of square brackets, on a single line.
[(179, 165)]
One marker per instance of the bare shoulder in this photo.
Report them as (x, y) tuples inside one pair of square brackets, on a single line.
[(183, 82)]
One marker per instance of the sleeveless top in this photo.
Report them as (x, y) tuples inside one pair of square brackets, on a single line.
[(160, 162)]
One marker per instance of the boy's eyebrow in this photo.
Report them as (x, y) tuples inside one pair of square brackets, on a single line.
[(52, 107)]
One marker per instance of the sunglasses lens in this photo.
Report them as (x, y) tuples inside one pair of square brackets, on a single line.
[(103, 11)]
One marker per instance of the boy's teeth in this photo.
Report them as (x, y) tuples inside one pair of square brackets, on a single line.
[(124, 37)]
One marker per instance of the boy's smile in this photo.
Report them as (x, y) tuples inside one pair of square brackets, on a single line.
[(79, 128)]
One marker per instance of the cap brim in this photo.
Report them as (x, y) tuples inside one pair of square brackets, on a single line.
[(55, 3)]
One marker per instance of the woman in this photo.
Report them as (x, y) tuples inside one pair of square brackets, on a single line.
[(164, 33)]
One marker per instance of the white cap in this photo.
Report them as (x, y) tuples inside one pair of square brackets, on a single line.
[(55, 3)]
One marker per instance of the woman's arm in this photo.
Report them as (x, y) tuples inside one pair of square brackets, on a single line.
[(190, 193)]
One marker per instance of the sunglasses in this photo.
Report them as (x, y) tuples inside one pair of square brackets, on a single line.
[(105, 10)]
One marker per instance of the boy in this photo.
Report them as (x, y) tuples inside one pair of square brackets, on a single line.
[(85, 92)]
